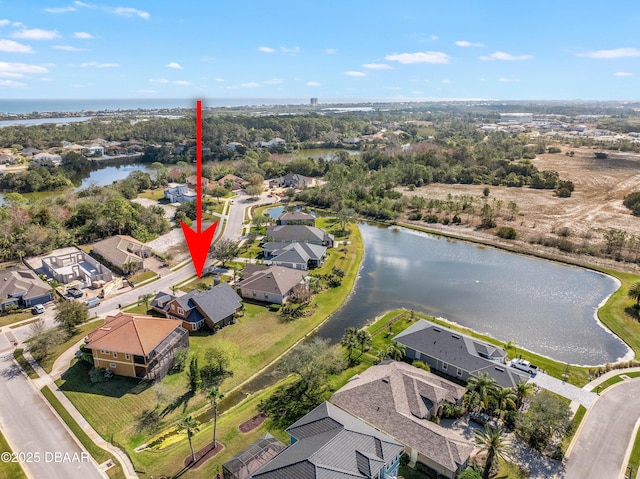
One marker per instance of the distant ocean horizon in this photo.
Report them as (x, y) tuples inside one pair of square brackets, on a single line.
[(22, 106)]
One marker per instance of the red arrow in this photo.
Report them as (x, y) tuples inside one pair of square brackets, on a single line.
[(199, 241)]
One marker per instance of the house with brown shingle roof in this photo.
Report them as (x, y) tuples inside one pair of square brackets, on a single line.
[(399, 399), (137, 346), (271, 285), (120, 250), (233, 182)]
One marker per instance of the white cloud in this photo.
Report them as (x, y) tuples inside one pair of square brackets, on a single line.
[(11, 84), (464, 44), (20, 69), (434, 37), (10, 46), (250, 85), (615, 53), (36, 34), (175, 65), (4, 23), (69, 48), (18, 24), (504, 56), (290, 50), (624, 74), (182, 82), (206, 58), (83, 35), (99, 65), (82, 4), (220, 80), (393, 88), (377, 66), (159, 80), (419, 57), (146, 91), (331, 51), (446, 81), (508, 80), (47, 79), (273, 81), (266, 49), (60, 10), (313, 83), (130, 12), (355, 74)]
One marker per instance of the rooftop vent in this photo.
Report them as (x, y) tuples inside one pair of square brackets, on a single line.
[(455, 337), (436, 330), (499, 369)]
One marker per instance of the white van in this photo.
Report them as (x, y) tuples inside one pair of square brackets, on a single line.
[(92, 302)]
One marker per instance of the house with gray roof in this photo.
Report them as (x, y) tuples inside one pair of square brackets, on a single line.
[(23, 288), (300, 234), (214, 307), (291, 180), (296, 218), (329, 443), (456, 354), (399, 400), (295, 255), (271, 284)]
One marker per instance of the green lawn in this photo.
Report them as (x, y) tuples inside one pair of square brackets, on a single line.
[(9, 470), (634, 460), (24, 364), (47, 363), (510, 471), (6, 320), (575, 423), (155, 195), (138, 278), (99, 454), (613, 380), (115, 408), (205, 280)]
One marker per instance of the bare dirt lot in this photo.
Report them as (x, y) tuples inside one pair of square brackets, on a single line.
[(594, 207)]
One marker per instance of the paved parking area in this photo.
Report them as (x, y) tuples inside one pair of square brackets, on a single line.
[(564, 389)]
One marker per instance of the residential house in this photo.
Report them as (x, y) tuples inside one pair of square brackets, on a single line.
[(329, 443), (273, 143), (233, 182), (456, 354), (300, 234), (95, 150), (122, 252), (23, 288), (269, 284), (214, 307), (71, 264), (46, 159), (295, 255), (235, 146), (296, 218), (291, 180), (193, 180), (179, 193), (399, 400), (252, 458), (137, 346)]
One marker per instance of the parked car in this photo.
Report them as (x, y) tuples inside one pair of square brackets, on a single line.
[(524, 365), (74, 293), (92, 302), (37, 309)]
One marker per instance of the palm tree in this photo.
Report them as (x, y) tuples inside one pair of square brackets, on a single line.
[(634, 293), (364, 338), (214, 395), (381, 355), (523, 389), (146, 299), (496, 445), (506, 399), (350, 340), (191, 426), (396, 350), (484, 385)]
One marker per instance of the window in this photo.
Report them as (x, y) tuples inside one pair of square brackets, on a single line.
[(115, 355), (445, 366), (113, 365), (180, 311), (173, 307), (127, 356), (459, 372), (104, 351)]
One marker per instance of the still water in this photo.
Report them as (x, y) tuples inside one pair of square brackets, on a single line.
[(543, 306)]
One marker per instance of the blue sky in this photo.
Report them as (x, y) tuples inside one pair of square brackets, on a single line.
[(328, 49)]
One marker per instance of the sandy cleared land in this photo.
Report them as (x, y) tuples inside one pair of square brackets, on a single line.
[(594, 207)]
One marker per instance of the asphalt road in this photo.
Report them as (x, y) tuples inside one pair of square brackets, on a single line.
[(601, 447), (26, 420), (40, 442)]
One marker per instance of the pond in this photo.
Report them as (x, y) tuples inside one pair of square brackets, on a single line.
[(543, 306)]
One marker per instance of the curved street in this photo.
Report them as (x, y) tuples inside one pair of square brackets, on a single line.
[(601, 449), (26, 419)]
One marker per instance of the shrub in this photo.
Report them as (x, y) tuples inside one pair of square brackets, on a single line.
[(421, 365), (274, 307), (506, 232), (415, 216), (431, 218), (180, 360), (445, 220), (97, 375), (564, 193)]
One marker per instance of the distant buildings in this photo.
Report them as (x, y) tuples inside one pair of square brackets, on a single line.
[(300, 234), (291, 180), (123, 252), (313, 101), (179, 193)]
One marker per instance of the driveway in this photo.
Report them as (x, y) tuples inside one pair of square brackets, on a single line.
[(32, 428), (564, 389), (600, 450)]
